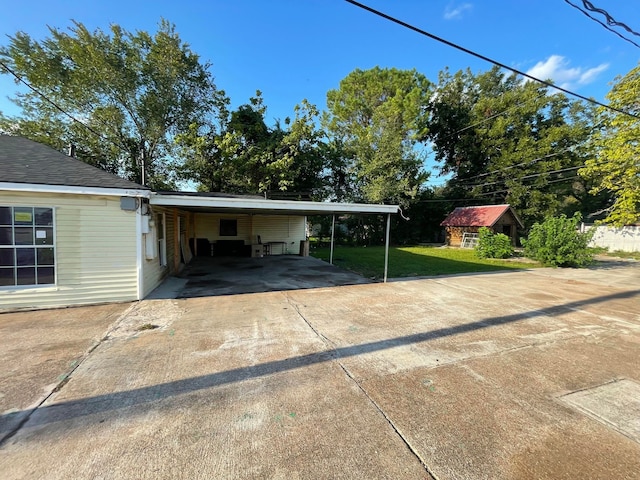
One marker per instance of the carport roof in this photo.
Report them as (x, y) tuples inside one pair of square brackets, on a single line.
[(256, 205)]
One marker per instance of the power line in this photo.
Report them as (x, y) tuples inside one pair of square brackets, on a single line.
[(487, 59), (610, 20), (529, 162), (485, 194), (540, 174), (519, 104), (55, 105), (487, 119), (527, 177), (533, 175)]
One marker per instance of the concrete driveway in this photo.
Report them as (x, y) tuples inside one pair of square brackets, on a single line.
[(532, 374), (211, 276)]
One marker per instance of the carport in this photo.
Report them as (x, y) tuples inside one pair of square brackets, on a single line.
[(253, 206)]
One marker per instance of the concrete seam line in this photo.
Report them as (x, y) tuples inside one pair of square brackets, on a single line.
[(67, 375), (332, 348)]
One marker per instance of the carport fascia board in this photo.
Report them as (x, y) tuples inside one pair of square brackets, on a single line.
[(253, 205)]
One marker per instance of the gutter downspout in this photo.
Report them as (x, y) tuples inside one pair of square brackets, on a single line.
[(386, 248), (333, 227), (139, 263)]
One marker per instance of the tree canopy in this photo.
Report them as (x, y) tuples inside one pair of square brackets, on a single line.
[(246, 156), (135, 102), (503, 140), (374, 121), (129, 93), (616, 166)]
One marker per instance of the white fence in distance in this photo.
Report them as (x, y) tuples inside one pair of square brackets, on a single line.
[(626, 239)]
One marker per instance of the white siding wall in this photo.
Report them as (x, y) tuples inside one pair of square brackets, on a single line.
[(95, 252), (279, 228), (626, 239), (208, 226), (271, 228)]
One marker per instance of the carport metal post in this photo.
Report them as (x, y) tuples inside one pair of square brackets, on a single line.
[(386, 248), (333, 227)]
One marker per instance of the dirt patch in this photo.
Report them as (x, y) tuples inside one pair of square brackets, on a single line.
[(144, 315)]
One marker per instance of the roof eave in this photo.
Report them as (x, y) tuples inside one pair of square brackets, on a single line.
[(274, 206), (74, 190)]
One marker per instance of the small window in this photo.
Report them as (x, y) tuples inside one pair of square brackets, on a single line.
[(27, 246), (228, 227)]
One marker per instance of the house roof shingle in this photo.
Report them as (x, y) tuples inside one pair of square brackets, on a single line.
[(480, 216), (25, 161)]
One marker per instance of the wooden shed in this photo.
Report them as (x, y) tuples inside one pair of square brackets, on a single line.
[(498, 218)]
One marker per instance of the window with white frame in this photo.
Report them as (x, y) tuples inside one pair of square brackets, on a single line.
[(27, 246)]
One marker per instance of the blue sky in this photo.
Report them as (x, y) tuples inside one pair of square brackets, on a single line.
[(295, 49)]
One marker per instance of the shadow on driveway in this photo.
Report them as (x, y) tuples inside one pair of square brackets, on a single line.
[(64, 411)]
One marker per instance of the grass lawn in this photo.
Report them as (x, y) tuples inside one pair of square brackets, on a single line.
[(621, 254), (415, 261)]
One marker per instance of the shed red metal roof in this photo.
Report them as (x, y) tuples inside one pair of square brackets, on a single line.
[(481, 216)]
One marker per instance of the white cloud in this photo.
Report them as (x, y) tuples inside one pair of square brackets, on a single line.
[(591, 74), (452, 13), (557, 68)]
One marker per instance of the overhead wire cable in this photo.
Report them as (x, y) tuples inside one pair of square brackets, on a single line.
[(558, 180), (544, 173), (433, 150), (485, 120), (533, 175), (487, 59), (603, 24), (525, 177), (522, 164), (56, 106), (610, 20)]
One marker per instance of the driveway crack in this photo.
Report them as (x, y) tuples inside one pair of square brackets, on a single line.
[(331, 348), (65, 377)]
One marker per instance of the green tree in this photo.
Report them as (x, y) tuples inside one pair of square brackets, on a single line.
[(374, 120), (616, 166), (132, 91), (508, 141), (244, 155)]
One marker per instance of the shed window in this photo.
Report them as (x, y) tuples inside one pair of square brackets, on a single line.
[(27, 246), (228, 227)]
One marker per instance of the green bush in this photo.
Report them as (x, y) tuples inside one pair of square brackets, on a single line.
[(492, 245), (557, 242)]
